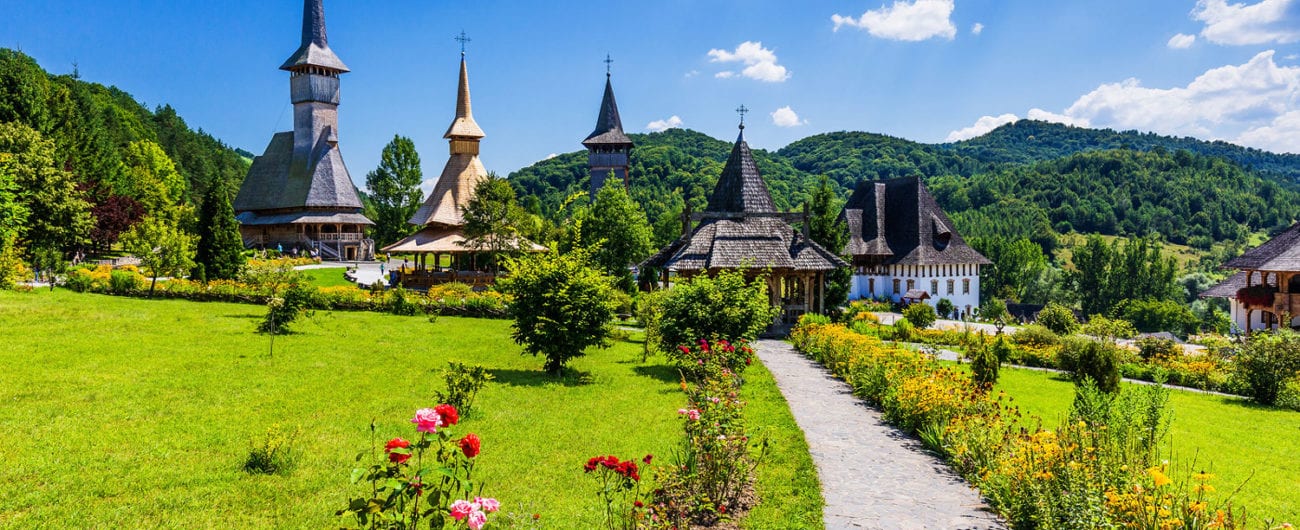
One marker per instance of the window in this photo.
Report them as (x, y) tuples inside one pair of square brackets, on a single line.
[(871, 286), (896, 283), (950, 286), (965, 286), (911, 284), (934, 287)]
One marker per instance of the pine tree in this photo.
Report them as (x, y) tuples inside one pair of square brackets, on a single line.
[(830, 232), (221, 249)]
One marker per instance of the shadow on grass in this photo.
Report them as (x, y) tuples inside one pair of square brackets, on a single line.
[(244, 316), (570, 378), (661, 372)]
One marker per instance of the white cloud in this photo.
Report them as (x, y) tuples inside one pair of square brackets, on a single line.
[(426, 187), (786, 117), (977, 29), (692, 73), (1181, 41), (672, 122), (1280, 136), (981, 126), (725, 74), (1043, 115), (550, 156), (917, 20), (1267, 21), (760, 62)]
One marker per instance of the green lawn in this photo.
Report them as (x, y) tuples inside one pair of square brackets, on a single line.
[(328, 277), (121, 412), (1237, 441)]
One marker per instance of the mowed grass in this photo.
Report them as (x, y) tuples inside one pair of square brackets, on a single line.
[(127, 413), (1244, 445), (327, 277)]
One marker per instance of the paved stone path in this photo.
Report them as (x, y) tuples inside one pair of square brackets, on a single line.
[(872, 475)]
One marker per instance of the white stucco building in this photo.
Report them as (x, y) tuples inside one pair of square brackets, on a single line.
[(902, 245)]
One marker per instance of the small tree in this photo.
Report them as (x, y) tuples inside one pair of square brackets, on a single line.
[(49, 261), (725, 307), (993, 309), (561, 305), (984, 360), (162, 247), (1090, 359), (1268, 362), (1058, 318), (945, 308), (829, 231), (395, 189), (220, 253), (492, 218), (920, 315)]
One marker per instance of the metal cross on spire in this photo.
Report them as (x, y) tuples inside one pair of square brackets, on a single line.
[(742, 110), (462, 39), (609, 64)]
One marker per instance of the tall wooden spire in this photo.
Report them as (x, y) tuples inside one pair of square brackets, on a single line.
[(463, 126), (608, 147), (315, 49)]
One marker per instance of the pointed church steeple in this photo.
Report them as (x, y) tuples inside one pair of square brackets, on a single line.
[(608, 147), (315, 49), (741, 188), (463, 128)]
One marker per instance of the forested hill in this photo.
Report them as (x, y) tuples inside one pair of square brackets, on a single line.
[(1032, 141), (125, 158), (1022, 180)]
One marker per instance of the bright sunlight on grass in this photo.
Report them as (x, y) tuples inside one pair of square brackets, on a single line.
[(133, 413)]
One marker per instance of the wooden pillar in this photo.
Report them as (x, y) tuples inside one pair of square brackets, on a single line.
[(821, 293)]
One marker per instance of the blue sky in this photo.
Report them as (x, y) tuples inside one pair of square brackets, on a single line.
[(926, 70)]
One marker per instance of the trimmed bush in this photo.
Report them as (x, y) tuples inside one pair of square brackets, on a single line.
[(1036, 335), (920, 315), (1059, 319), (723, 307), (1267, 362), (1089, 359)]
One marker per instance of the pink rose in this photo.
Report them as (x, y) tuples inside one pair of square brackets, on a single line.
[(693, 414), (461, 509), (489, 505), (477, 520), (426, 420)]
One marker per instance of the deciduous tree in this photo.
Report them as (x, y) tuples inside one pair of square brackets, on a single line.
[(162, 247), (394, 189)]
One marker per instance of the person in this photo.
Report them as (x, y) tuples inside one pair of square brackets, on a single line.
[(381, 268), (279, 248)]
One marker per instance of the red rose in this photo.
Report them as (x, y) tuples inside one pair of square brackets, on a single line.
[(397, 443), (722, 509), (647, 459), (448, 413), (592, 463), (685, 350), (469, 445), (639, 504)]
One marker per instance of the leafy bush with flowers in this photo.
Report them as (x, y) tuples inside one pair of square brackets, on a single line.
[(1099, 469), (621, 490), (713, 467), (426, 481), (706, 360)]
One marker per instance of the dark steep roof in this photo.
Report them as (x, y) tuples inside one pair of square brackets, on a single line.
[(730, 239), (609, 126), (1227, 288), (1282, 253), (741, 188), (899, 220), (315, 49), (277, 180)]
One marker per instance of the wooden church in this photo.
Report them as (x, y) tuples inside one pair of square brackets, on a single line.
[(298, 195)]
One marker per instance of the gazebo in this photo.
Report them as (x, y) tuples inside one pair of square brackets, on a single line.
[(441, 214), (742, 230), (1265, 294)]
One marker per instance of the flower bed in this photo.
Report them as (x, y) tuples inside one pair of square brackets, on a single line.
[(447, 299), (1099, 469)]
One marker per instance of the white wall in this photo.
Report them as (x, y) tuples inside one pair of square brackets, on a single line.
[(921, 276)]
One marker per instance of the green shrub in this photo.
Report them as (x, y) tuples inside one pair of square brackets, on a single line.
[(124, 282), (1157, 349), (1267, 362), (1002, 350), (283, 310), (724, 307), (1108, 328), (1058, 318), (945, 308), (649, 312), (993, 309), (1160, 315), (463, 383), (402, 302), (920, 315), (624, 304), (79, 280), (275, 455), (1088, 359), (562, 305), (903, 330), (1036, 335), (984, 362)]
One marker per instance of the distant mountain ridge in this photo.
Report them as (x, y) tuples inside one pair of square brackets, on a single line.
[(1009, 182)]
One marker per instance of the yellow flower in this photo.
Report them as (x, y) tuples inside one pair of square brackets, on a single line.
[(1158, 476), (1202, 477), (1202, 488)]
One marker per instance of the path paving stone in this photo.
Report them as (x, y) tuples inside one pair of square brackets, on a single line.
[(872, 475)]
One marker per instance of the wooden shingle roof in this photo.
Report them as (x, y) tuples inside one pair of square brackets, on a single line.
[(1227, 288), (609, 126), (315, 49), (1282, 253), (463, 125), (898, 220), (730, 239), (279, 180)]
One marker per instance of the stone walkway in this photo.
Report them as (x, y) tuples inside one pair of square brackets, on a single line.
[(872, 475)]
